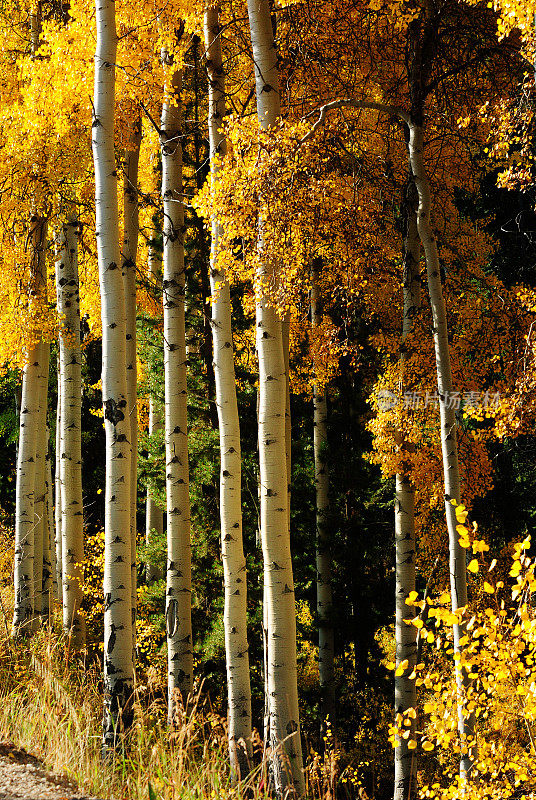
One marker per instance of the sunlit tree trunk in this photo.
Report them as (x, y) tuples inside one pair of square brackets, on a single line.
[(57, 497), (129, 258), (324, 600), (406, 635), (154, 516), (118, 665), (28, 572), (281, 612), (179, 586), (49, 559), (285, 331), (70, 460), (449, 443), (234, 563)]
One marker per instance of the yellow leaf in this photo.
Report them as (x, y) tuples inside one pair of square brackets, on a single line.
[(473, 566), (401, 667), (488, 588), (412, 744), (427, 746), (410, 599)]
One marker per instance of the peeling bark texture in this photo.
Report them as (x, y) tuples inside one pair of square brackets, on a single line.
[(324, 599), (118, 665), (129, 260), (234, 562), (178, 569), (406, 635), (285, 738), (449, 443), (58, 589), (28, 571), (154, 516), (70, 456)]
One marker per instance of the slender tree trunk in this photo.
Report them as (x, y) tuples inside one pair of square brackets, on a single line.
[(234, 562), (449, 443), (285, 736), (324, 600), (154, 516), (406, 635), (49, 556), (38, 236), (285, 330), (118, 665), (179, 585), (70, 461), (57, 497), (129, 255), (28, 572)]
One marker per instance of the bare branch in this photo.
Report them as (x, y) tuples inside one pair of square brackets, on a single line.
[(393, 111)]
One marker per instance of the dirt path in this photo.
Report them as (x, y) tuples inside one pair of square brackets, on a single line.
[(24, 777)]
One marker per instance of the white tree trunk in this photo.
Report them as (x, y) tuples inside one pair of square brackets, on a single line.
[(28, 571), (449, 443), (406, 635), (154, 516), (234, 562), (285, 736), (40, 506), (118, 663), (129, 255), (324, 600), (179, 582), (50, 581), (70, 456), (58, 589)]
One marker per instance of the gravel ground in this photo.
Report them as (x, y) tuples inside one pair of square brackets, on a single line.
[(24, 777)]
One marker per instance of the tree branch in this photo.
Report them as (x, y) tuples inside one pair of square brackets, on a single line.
[(393, 111)]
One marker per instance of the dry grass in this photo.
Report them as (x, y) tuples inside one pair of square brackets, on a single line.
[(54, 710)]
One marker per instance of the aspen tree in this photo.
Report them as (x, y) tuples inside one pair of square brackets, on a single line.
[(447, 414), (57, 496), (324, 600), (279, 585), (154, 516), (178, 568), (118, 664), (234, 562), (129, 260), (38, 235), (52, 583), (70, 456), (406, 635), (28, 570)]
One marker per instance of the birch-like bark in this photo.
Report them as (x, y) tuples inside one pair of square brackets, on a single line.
[(285, 736), (178, 569), (154, 516), (25, 494), (38, 237), (324, 599), (49, 556), (129, 260), (28, 570), (118, 665), (449, 443), (234, 562), (57, 498), (406, 635), (70, 460), (285, 330)]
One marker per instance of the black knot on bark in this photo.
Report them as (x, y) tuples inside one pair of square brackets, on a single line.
[(112, 411)]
